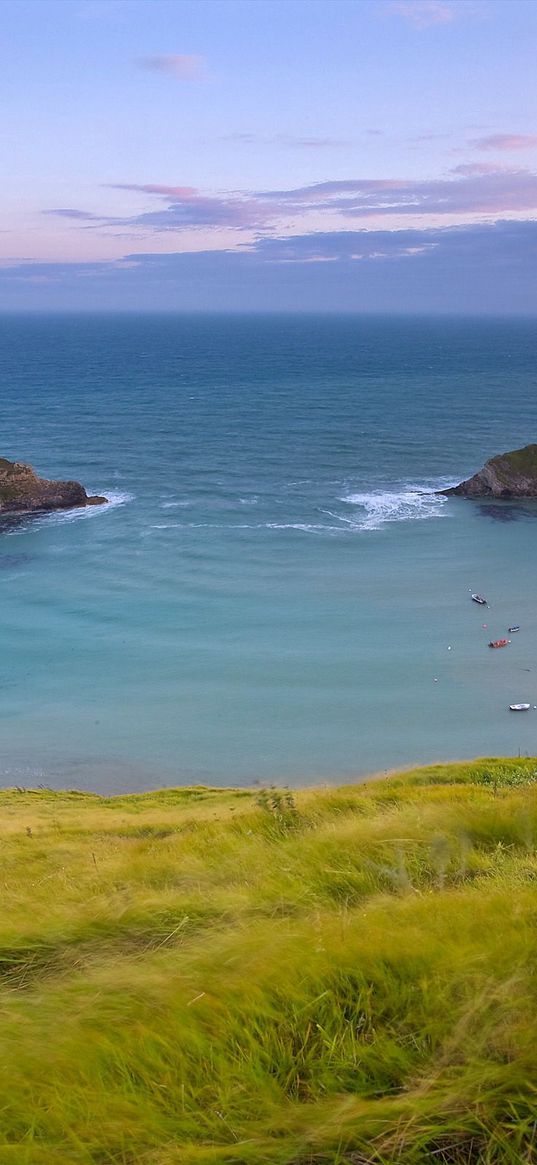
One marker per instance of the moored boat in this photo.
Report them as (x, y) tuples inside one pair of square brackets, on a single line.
[(479, 599), (499, 642), (515, 627), (519, 707)]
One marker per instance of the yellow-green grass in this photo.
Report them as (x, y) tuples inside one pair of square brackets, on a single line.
[(342, 975)]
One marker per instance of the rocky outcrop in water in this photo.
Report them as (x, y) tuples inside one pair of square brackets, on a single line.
[(22, 491), (509, 476)]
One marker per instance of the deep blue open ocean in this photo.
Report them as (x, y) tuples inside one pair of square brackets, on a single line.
[(274, 592)]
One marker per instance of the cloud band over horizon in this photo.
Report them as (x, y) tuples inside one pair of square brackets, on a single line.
[(472, 269)]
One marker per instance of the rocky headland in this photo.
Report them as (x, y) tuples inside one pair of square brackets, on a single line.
[(22, 491), (507, 476)]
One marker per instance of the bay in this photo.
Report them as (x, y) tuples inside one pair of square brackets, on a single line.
[(274, 592)]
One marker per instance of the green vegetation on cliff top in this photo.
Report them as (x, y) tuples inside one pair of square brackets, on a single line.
[(523, 461), (205, 977)]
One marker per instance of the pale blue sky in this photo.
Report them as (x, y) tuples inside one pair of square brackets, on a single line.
[(134, 128)]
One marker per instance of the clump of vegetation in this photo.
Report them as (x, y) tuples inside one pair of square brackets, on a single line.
[(280, 806), (234, 977), (508, 777)]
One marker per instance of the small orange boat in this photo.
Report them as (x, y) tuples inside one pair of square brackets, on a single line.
[(499, 642)]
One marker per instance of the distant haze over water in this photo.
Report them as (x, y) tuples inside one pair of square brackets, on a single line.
[(272, 591)]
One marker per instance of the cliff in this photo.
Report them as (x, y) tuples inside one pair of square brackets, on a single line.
[(509, 475), (21, 490)]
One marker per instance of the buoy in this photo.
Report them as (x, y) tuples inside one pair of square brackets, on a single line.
[(449, 648)]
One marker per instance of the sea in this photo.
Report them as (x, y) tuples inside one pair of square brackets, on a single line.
[(274, 593)]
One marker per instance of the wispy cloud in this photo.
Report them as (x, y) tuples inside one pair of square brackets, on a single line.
[(506, 141), (290, 141), (187, 207), (497, 192), (77, 215), (185, 66), (422, 138), (471, 190), (423, 13)]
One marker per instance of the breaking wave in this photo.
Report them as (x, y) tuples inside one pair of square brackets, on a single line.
[(360, 511), (18, 523), (373, 510), (115, 498)]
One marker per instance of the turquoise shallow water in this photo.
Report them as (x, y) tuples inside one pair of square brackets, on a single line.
[(270, 594)]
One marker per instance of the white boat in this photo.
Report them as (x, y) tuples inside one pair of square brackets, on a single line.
[(519, 707), (479, 599)]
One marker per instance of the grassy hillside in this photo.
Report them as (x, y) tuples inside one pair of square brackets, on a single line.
[(347, 976)]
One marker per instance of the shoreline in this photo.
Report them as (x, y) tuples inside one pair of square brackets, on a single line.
[(434, 769)]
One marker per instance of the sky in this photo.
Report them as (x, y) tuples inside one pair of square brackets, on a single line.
[(269, 155)]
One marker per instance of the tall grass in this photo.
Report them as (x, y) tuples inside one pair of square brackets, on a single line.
[(248, 977)]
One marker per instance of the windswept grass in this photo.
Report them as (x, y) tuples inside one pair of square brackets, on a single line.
[(234, 977)]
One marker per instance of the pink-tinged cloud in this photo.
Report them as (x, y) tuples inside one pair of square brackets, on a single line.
[(181, 193), (187, 207), (423, 13), (500, 192), (470, 191), (506, 141), (185, 66)]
